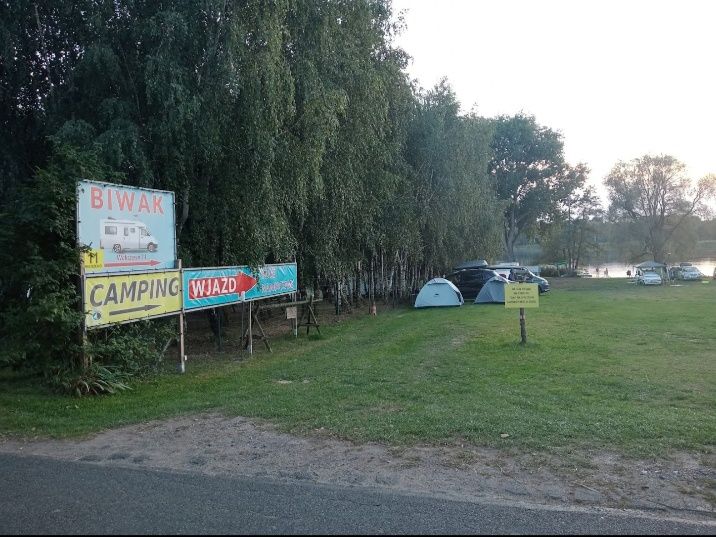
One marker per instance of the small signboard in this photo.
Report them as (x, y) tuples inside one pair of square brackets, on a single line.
[(522, 295), (292, 312), (125, 228), (122, 298), (213, 287)]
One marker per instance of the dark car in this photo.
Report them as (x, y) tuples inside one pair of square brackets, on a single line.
[(470, 281), (523, 274)]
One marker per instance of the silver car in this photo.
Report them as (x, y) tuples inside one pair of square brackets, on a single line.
[(647, 277)]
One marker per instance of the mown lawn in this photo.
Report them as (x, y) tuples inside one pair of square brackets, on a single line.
[(608, 366)]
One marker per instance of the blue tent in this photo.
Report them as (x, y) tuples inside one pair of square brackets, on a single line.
[(439, 292), (493, 291)]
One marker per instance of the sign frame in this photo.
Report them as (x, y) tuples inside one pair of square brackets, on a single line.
[(87, 308), (238, 298), (528, 301), (141, 258)]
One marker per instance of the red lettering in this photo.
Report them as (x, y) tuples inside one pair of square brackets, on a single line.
[(157, 204), (196, 288), (125, 200), (143, 203), (95, 197)]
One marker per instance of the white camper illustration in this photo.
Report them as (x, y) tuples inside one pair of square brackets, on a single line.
[(120, 235)]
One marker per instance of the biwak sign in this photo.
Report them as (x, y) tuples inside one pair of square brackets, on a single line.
[(125, 228)]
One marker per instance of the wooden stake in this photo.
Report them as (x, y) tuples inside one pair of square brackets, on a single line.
[(523, 327)]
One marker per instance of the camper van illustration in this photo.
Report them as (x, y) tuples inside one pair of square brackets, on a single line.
[(121, 235)]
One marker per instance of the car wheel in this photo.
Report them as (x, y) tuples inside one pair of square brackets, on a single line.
[(152, 247), (117, 248)]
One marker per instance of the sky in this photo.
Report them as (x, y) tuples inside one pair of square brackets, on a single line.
[(618, 79)]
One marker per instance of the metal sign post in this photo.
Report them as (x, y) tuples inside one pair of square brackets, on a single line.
[(182, 355)]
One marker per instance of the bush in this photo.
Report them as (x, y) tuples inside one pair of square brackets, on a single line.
[(96, 379), (40, 317), (549, 271)]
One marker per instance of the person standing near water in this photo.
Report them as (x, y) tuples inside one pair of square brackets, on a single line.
[(597, 272), (606, 272)]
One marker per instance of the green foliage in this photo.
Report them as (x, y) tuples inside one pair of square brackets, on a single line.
[(549, 271), (94, 380), (527, 170), (135, 349), (40, 318)]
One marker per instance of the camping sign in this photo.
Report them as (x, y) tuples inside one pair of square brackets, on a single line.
[(128, 297)]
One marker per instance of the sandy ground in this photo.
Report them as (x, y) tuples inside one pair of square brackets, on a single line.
[(233, 446)]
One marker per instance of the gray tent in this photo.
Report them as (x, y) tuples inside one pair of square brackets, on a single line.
[(493, 291), (439, 292)]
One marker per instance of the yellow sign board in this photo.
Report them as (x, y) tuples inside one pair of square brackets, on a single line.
[(128, 297), (522, 295), (93, 259)]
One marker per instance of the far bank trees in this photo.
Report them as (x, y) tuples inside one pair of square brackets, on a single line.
[(656, 197)]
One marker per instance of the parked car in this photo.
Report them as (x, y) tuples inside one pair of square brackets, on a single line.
[(647, 277), (470, 281), (691, 273), (685, 272), (522, 274), (582, 273)]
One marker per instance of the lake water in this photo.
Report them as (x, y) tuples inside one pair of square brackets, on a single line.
[(618, 270)]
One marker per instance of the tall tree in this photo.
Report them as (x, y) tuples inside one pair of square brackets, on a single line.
[(572, 228), (527, 173), (656, 196)]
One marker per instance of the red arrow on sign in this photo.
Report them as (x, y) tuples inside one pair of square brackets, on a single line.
[(220, 285), (151, 263)]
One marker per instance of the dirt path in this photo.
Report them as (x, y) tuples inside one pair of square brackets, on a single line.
[(214, 444)]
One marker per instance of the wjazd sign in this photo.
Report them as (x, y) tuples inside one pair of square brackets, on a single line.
[(212, 287)]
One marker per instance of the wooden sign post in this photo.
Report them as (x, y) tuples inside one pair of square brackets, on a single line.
[(522, 295)]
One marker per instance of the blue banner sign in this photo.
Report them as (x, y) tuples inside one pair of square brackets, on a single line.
[(125, 228), (212, 287)]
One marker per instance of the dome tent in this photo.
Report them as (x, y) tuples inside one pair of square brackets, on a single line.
[(439, 292), (493, 291)]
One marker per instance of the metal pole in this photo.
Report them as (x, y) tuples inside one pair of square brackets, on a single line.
[(85, 357), (523, 328), (182, 356), (218, 322), (295, 319), (251, 334)]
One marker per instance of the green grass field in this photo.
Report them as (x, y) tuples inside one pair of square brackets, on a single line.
[(608, 365)]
